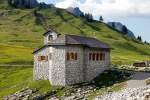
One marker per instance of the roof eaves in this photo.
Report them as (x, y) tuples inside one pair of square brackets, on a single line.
[(51, 30), (39, 49), (50, 44)]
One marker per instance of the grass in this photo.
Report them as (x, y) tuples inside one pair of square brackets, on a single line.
[(148, 81), (21, 34), (15, 55), (13, 79)]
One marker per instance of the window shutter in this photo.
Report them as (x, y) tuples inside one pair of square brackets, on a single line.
[(97, 56), (42, 57), (90, 56), (72, 56), (46, 58), (101, 56), (93, 56), (76, 56), (39, 58)]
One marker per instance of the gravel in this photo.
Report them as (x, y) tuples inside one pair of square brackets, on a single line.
[(142, 93)]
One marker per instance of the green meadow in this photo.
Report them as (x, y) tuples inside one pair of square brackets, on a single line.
[(21, 32), (14, 79)]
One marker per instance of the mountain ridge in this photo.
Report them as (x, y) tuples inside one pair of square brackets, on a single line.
[(22, 29), (120, 27), (75, 11)]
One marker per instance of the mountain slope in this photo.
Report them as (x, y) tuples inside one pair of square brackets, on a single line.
[(121, 28), (22, 29)]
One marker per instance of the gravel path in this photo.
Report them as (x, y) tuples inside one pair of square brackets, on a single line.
[(136, 89), (138, 80), (128, 94)]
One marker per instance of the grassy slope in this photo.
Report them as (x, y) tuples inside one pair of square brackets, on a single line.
[(14, 79), (20, 34)]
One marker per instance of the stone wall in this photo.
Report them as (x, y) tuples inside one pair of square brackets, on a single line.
[(41, 68), (74, 68), (83, 69), (94, 68), (62, 72), (58, 70)]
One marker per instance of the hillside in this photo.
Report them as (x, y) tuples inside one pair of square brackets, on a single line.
[(22, 29), (21, 32)]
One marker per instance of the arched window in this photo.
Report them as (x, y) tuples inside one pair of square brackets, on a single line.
[(50, 38)]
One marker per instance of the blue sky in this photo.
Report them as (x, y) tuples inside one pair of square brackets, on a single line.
[(135, 14)]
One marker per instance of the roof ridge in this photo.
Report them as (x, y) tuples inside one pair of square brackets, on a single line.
[(51, 29), (82, 36)]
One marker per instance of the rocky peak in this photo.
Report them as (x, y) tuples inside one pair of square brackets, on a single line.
[(121, 28), (75, 11)]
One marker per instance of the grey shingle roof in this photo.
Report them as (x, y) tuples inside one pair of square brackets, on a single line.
[(86, 41), (77, 40)]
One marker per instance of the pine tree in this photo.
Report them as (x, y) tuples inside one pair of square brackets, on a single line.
[(139, 38), (89, 17), (101, 19)]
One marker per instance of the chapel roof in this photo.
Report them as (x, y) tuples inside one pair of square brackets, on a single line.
[(77, 40)]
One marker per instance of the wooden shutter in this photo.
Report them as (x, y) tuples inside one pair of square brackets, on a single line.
[(72, 56), (90, 56), (39, 58), (101, 56), (42, 57), (46, 58), (93, 56), (76, 56), (97, 56)]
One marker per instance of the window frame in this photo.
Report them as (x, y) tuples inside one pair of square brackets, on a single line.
[(72, 56), (42, 58), (50, 37), (96, 56)]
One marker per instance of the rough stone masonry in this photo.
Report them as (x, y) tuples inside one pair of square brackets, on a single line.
[(70, 59)]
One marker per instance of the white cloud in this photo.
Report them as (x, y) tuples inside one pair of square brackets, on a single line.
[(110, 8), (67, 3)]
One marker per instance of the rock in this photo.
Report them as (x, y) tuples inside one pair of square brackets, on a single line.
[(70, 98), (75, 11), (142, 93), (53, 98), (119, 27), (23, 94)]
